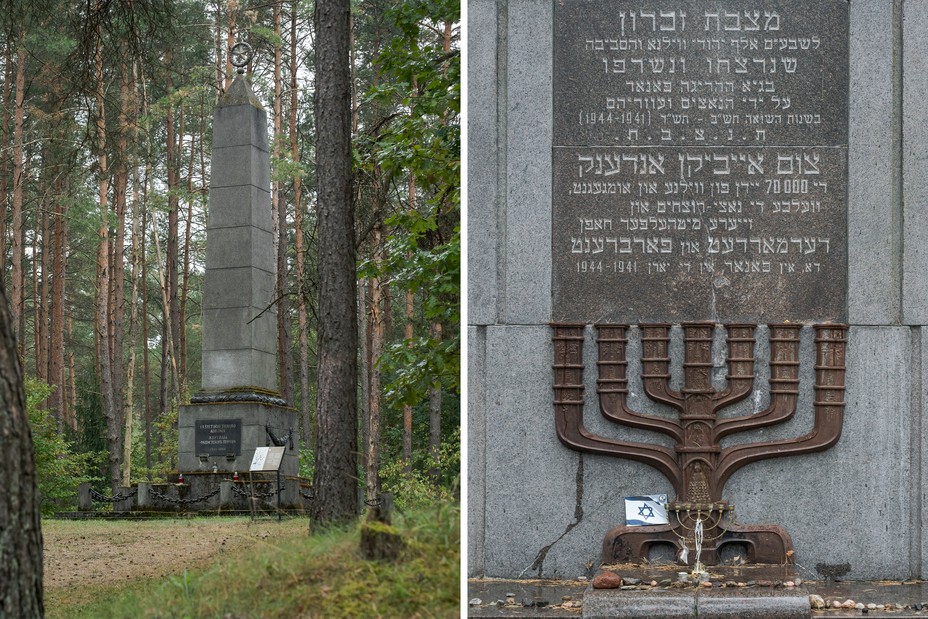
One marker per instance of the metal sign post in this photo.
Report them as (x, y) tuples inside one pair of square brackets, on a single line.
[(266, 459)]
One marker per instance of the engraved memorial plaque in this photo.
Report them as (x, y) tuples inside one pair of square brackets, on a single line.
[(218, 437), (700, 161)]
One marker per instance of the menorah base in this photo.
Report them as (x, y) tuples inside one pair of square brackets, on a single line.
[(766, 544)]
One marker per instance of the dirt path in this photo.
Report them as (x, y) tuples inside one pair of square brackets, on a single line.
[(82, 557)]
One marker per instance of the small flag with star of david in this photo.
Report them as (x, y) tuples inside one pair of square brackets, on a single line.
[(646, 510)]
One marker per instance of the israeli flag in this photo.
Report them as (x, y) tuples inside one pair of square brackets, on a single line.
[(645, 510)]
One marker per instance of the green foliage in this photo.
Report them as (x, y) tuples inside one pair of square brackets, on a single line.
[(307, 463), (166, 427), (163, 452), (420, 82), (415, 365), (59, 467), (419, 487)]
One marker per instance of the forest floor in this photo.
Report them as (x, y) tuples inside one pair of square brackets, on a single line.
[(85, 557), (233, 568)]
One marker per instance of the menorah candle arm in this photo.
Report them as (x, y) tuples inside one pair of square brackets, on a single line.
[(655, 365), (825, 433), (658, 389), (568, 339), (784, 384), (740, 338), (572, 433), (831, 343), (613, 406), (782, 407), (612, 385), (738, 389)]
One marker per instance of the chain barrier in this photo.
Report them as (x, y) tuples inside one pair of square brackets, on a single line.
[(373, 502), (258, 495), (168, 499), (116, 498)]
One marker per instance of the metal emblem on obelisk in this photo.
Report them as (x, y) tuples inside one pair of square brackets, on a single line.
[(240, 55)]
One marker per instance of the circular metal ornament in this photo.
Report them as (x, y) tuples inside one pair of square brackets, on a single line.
[(240, 55)]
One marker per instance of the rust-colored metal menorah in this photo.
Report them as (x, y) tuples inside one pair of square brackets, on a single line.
[(698, 466)]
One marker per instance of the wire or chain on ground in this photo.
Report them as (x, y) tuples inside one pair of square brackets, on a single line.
[(116, 498), (258, 495), (190, 501)]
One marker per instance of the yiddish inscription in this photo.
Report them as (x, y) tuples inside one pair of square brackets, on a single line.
[(700, 160)]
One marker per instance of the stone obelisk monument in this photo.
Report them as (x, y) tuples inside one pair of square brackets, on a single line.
[(239, 407)]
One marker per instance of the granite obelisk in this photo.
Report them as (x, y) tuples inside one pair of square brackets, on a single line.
[(239, 407)]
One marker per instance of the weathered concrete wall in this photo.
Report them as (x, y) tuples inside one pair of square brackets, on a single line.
[(538, 509)]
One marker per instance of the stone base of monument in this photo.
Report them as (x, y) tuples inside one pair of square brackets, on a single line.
[(686, 604), (222, 436), (735, 592)]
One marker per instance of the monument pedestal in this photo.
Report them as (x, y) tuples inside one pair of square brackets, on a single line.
[(225, 435), (752, 603)]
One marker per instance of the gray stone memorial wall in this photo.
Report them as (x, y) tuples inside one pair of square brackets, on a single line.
[(539, 509), (700, 161)]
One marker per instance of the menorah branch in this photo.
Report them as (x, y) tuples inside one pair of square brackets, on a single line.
[(740, 365), (612, 385), (784, 384), (655, 365), (831, 342), (568, 410)]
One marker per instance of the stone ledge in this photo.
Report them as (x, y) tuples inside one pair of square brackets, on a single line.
[(654, 604)]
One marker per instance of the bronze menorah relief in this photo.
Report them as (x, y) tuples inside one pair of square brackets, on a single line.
[(698, 467)]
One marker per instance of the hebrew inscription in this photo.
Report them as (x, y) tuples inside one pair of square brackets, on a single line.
[(700, 161)]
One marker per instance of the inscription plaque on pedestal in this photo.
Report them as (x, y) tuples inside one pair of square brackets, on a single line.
[(700, 161), (218, 437)]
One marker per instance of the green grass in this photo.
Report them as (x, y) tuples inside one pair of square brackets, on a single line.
[(300, 575)]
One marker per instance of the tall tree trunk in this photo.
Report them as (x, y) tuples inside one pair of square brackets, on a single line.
[(285, 359), (104, 368), (169, 335), (172, 309), (125, 395), (364, 369), (377, 339), (21, 543), (185, 279), (146, 364), (41, 239), (435, 403), (72, 381), (230, 41), (4, 147), (220, 73), (57, 400), (42, 343), (146, 361), (298, 225), (336, 401), (364, 339), (117, 311), (408, 334), (18, 308)]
